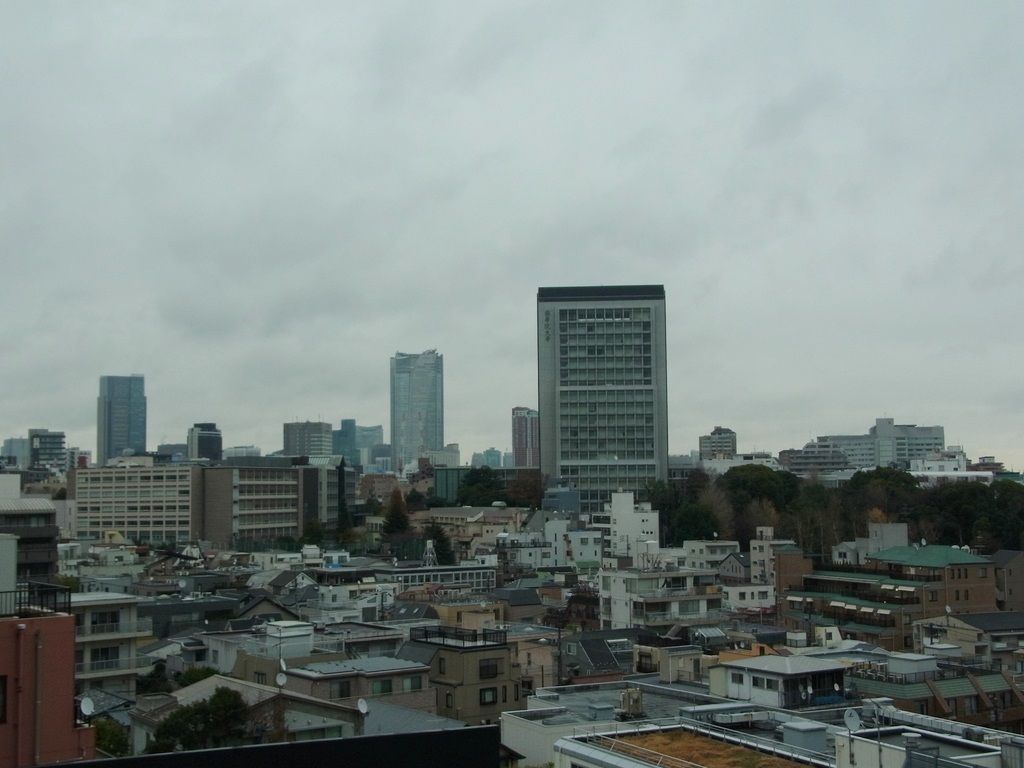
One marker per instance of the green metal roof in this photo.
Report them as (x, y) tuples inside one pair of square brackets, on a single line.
[(928, 556), (875, 578)]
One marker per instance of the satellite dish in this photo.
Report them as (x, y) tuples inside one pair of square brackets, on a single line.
[(182, 583), (836, 687), (948, 610), (284, 667), (852, 720), (281, 679), (87, 706), (924, 542), (362, 706)]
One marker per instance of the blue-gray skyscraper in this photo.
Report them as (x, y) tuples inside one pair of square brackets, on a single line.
[(120, 416), (417, 405)]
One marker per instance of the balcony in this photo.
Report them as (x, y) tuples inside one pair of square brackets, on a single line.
[(656, 595), (140, 628), (674, 617), (110, 667), (35, 599)]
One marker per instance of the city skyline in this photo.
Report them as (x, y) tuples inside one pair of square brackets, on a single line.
[(256, 227)]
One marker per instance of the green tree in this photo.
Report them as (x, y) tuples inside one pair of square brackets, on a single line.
[(194, 675), (442, 544), (481, 487), (397, 520), (154, 681), (415, 500), (219, 721), (111, 737), (526, 488)]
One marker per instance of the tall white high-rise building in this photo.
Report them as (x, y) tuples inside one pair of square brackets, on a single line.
[(417, 406), (602, 388)]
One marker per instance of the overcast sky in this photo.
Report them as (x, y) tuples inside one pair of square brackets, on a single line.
[(256, 204)]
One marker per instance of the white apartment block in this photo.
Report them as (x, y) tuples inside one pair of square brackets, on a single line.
[(762, 554), (632, 530), (107, 632), (704, 553), (658, 598)]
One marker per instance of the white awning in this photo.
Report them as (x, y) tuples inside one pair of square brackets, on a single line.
[(867, 610), (888, 586), (836, 604), (884, 611), (904, 589)]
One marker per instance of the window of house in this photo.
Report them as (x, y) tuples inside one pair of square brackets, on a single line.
[(504, 694), (983, 573), (488, 696), (771, 685), (737, 677), (933, 596), (340, 689), (412, 683), (379, 687), (570, 649), (442, 664), (488, 668), (259, 677), (758, 682), (762, 595), (449, 700), (3, 698)]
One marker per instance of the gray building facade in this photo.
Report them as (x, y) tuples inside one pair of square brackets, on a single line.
[(602, 386), (120, 416), (417, 405)]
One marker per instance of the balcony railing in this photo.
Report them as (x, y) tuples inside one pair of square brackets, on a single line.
[(140, 627), (106, 666), (33, 598), (699, 591)]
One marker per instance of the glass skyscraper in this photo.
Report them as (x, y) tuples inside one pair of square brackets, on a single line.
[(120, 416), (417, 405), (602, 388)]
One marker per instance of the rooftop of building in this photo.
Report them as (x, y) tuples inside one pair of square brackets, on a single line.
[(995, 621), (81, 599), (600, 292), (928, 556), (367, 666), (785, 665)]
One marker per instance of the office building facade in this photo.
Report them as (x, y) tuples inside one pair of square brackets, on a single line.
[(525, 437), (204, 442), (307, 438), (720, 443), (47, 451), (417, 405), (602, 388), (886, 444), (120, 416)]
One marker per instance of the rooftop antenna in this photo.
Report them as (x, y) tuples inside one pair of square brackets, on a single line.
[(429, 555)]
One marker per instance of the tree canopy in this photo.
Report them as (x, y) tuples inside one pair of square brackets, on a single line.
[(219, 721), (481, 487)]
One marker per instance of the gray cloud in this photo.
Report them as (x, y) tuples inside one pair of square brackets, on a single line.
[(256, 205)]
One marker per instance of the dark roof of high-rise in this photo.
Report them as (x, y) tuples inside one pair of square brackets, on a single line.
[(598, 292)]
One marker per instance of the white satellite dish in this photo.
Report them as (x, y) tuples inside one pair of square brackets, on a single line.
[(362, 706), (87, 706), (948, 610), (924, 542), (182, 584), (852, 720), (836, 687), (281, 679), (284, 667)]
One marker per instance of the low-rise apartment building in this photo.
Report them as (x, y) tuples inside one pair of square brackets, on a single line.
[(107, 634), (659, 598), (879, 601), (474, 671)]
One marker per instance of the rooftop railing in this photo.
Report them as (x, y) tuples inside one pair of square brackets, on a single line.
[(35, 599)]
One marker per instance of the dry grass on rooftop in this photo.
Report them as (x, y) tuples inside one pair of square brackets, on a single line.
[(707, 752)]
